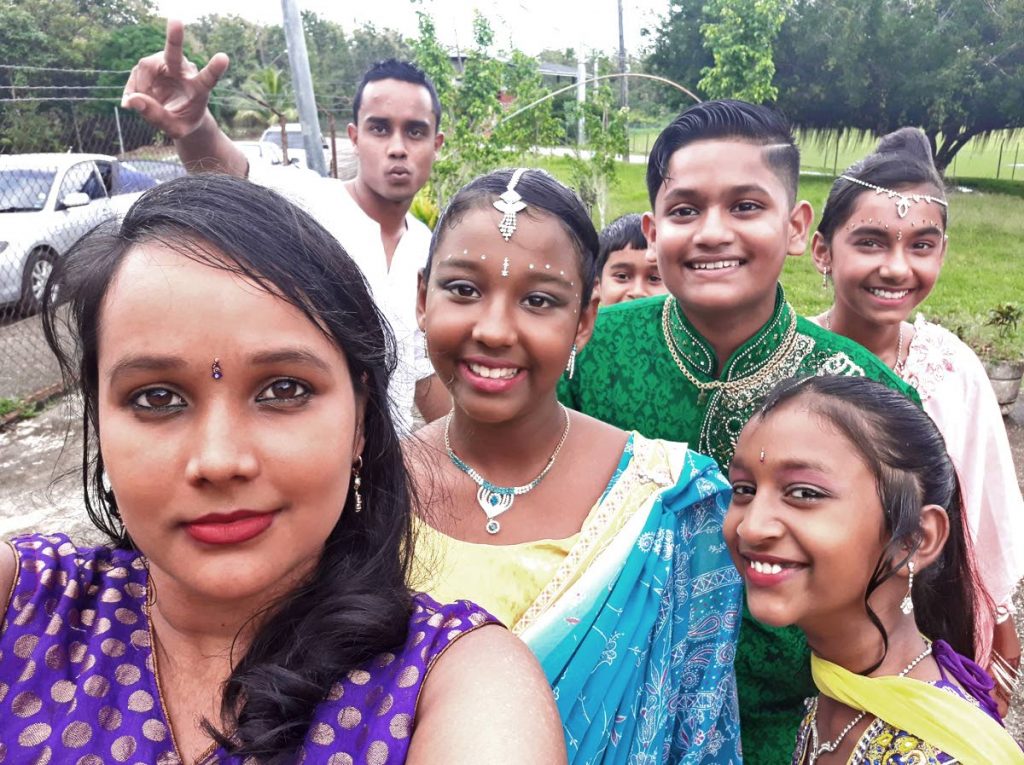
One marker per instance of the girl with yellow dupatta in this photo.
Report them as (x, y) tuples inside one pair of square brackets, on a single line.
[(847, 521), (602, 549)]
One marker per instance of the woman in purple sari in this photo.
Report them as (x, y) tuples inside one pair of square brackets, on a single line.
[(252, 604)]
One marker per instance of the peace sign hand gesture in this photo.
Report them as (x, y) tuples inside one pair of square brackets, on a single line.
[(169, 91)]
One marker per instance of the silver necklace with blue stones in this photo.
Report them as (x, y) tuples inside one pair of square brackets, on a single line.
[(493, 499)]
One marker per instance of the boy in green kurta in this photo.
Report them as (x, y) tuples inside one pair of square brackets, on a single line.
[(694, 365)]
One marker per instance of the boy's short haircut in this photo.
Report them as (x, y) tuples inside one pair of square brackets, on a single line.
[(622, 233), (728, 120), (403, 71)]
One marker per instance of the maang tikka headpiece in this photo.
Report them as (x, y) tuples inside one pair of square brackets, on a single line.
[(510, 203), (903, 201)]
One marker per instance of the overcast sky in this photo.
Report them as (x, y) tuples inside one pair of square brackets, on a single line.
[(530, 25)]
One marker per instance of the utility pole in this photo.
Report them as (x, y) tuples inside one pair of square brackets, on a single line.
[(623, 81), (303, 83)]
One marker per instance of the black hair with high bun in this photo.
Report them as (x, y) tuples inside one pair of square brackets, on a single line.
[(902, 159)]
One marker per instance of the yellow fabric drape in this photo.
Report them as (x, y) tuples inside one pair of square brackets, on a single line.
[(945, 721)]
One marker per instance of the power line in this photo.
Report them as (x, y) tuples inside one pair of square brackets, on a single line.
[(62, 98), (60, 69), (63, 87)]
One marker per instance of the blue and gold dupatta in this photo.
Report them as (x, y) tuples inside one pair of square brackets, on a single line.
[(637, 629)]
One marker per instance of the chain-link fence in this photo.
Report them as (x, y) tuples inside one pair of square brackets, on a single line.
[(99, 161)]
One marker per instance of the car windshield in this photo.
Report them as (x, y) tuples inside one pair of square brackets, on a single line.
[(24, 189)]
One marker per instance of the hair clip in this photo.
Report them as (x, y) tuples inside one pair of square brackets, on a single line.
[(510, 203)]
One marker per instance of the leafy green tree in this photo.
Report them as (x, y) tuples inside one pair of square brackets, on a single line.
[(955, 69), (740, 35), (476, 139), (272, 102), (239, 38), (594, 162), (366, 46), (678, 52), (564, 56), (338, 59), (537, 127), (63, 34), (21, 40)]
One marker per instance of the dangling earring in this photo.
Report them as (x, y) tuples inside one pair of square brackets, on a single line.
[(907, 604), (357, 483), (150, 588), (824, 278), (571, 366)]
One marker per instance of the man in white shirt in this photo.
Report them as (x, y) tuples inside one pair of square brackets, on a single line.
[(395, 134)]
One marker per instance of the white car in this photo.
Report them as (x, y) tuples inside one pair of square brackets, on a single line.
[(47, 202), (297, 148), (261, 151)]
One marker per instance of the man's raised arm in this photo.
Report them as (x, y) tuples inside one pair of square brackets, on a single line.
[(172, 94)]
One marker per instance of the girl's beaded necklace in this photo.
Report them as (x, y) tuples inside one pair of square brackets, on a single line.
[(830, 746), (493, 499)]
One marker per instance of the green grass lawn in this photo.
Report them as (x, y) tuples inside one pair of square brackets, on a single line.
[(818, 152), (984, 264)]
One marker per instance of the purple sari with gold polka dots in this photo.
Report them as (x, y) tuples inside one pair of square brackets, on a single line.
[(77, 681)]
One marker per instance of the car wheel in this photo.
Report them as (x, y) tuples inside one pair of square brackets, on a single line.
[(38, 270)]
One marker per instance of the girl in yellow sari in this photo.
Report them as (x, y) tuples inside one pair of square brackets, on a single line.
[(602, 549), (846, 521)]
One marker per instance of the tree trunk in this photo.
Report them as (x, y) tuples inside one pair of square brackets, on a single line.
[(950, 146)]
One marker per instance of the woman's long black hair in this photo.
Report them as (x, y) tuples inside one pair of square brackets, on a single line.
[(907, 455), (356, 602)]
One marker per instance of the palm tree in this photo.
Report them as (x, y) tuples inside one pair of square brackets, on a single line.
[(272, 94)]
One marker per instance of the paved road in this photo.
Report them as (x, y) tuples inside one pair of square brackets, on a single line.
[(28, 366)]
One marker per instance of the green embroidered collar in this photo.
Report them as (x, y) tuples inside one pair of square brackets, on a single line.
[(699, 357)]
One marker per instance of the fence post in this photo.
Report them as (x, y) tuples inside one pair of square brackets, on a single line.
[(1016, 157), (120, 135), (78, 132), (999, 162), (334, 144), (835, 160)]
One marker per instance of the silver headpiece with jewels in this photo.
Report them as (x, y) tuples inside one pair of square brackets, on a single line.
[(510, 203), (903, 201)]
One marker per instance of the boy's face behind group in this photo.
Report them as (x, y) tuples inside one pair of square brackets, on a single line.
[(722, 226), (629, 274)]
